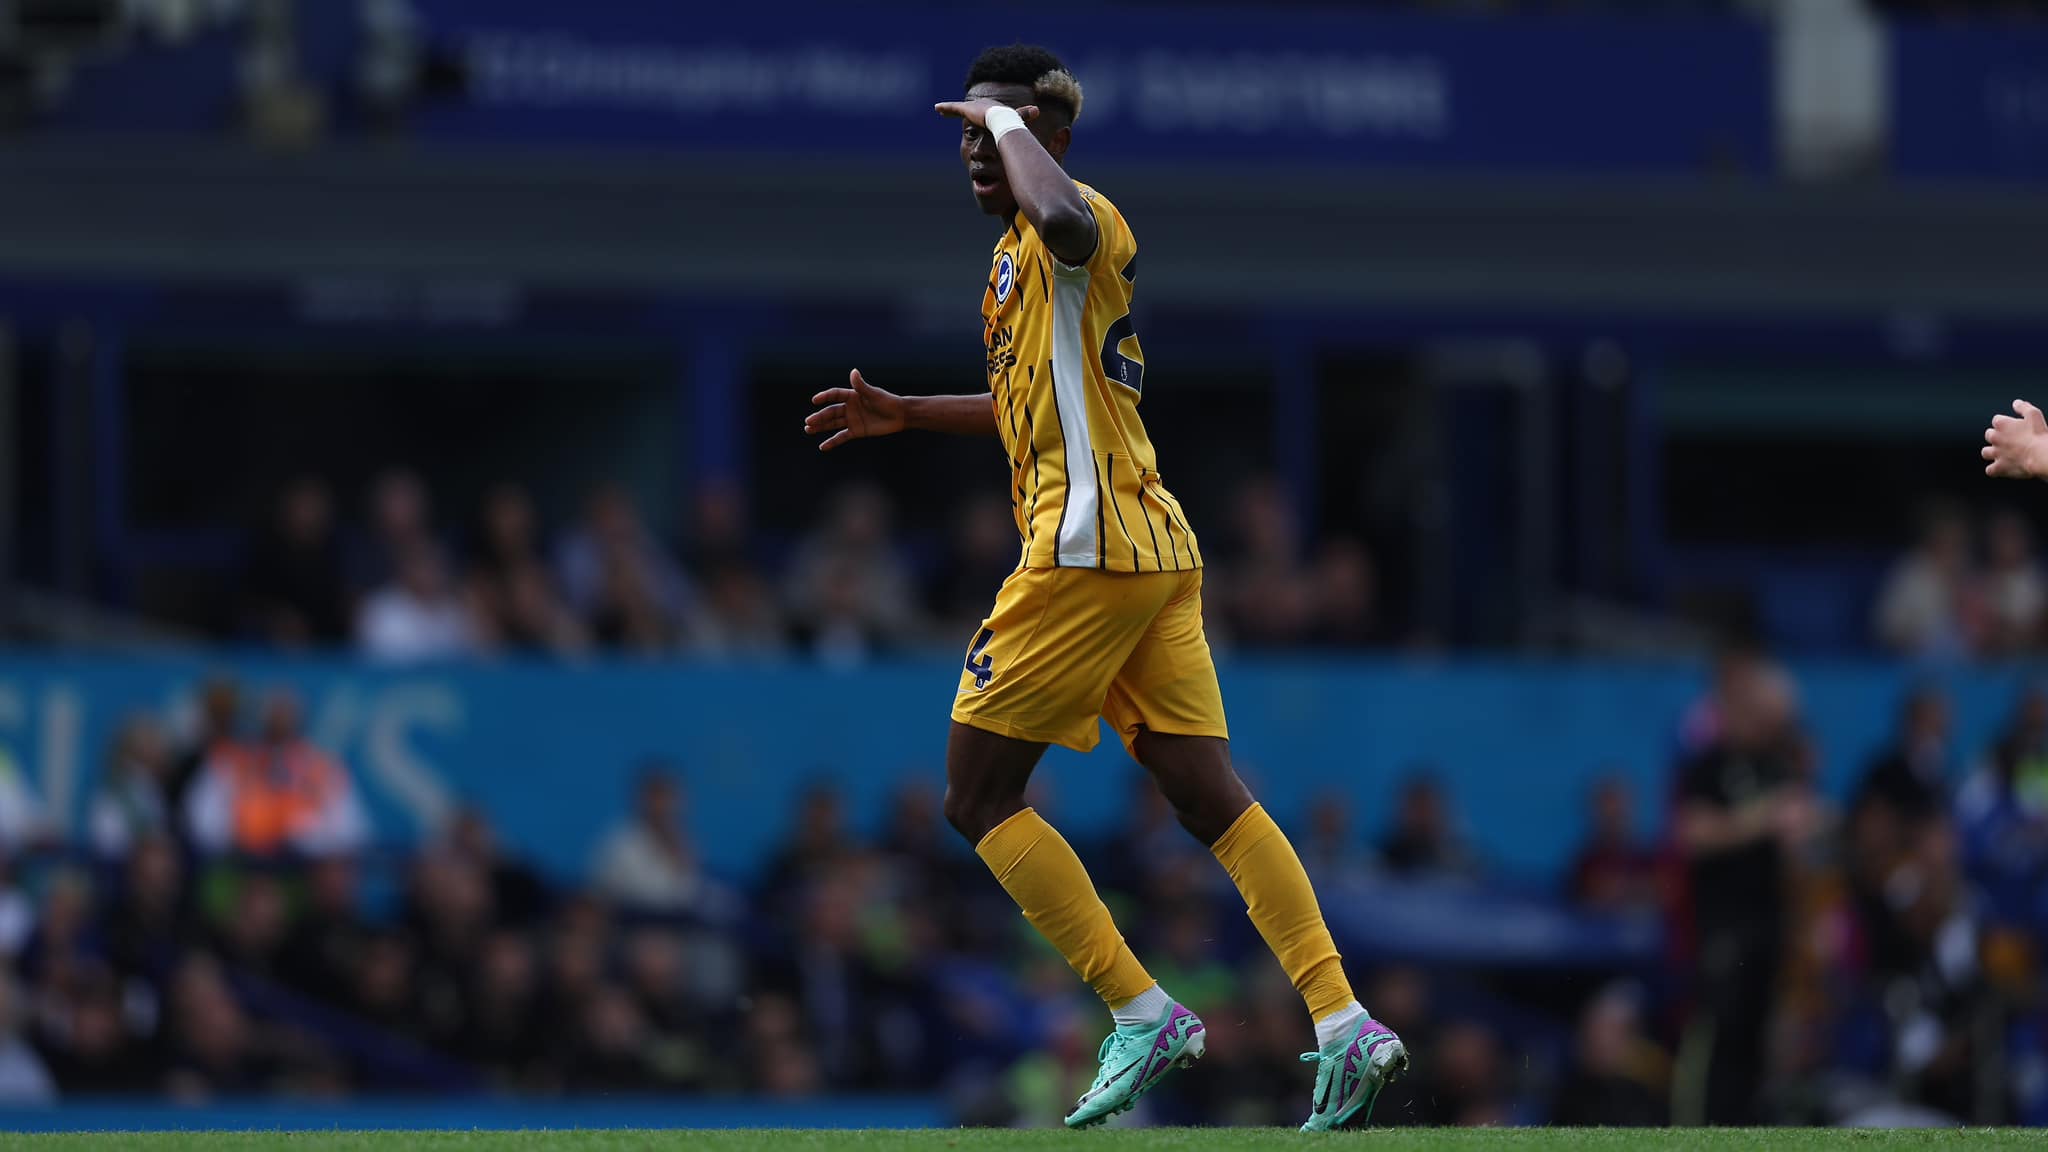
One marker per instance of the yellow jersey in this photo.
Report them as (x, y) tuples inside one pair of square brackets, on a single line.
[(1066, 373)]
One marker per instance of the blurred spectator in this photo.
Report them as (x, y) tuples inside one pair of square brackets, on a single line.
[(609, 1051), (816, 847), (219, 716), (253, 923), (649, 862), (1333, 851), (418, 615), (985, 550), (850, 589), (447, 915), (1930, 604), (502, 1030), (295, 596), (742, 616), (2015, 596), (518, 893), (1614, 871), (2002, 811), (382, 985), (1425, 839), (276, 793), (131, 801), (721, 533), (329, 935), (1269, 599), (151, 924), (23, 823), (216, 1051), (67, 941), (1344, 587), (1911, 778), (1617, 1078), (87, 1040), (1744, 807), (679, 1052), (517, 605), (24, 1079), (401, 523), (1462, 1084), (617, 577), (841, 995)]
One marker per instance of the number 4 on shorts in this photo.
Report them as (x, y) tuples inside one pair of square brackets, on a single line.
[(983, 667)]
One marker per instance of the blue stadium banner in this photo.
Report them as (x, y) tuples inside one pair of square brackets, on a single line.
[(551, 752), (1970, 100), (1564, 92)]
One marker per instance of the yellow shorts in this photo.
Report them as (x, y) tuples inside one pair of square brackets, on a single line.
[(1066, 645)]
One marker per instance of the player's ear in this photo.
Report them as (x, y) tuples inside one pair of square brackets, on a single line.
[(1057, 140)]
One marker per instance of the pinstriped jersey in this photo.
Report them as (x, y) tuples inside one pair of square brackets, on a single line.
[(1066, 372)]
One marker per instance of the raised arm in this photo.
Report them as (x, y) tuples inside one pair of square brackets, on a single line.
[(860, 411), (1044, 191)]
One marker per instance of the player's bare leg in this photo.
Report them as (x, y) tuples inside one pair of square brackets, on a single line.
[(986, 774), (1356, 1056)]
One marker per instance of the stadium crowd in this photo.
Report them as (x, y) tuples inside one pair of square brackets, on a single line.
[(405, 588), (227, 922)]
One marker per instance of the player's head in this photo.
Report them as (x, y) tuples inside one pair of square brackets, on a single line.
[(1017, 75)]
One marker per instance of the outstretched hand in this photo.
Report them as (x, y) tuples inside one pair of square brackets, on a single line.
[(855, 412), (975, 112), (2016, 447)]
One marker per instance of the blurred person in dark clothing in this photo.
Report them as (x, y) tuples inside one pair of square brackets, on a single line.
[(679, 1053), (151, 924), (401, 522), (382, 985), (254, 924), (296, 596), (609, 1053), (447, 915), (91, 1049), (216, 1050), (519, 894), (742, 617), (1270, 599), (1618, 1077), (1333, 851), (1744, 807), (840, 992), (132, 800), (518, 605), (781, 1062), (817, 844), (1613, 871), (1912, 776), (219, 719), (1425, 840), (502, 1030), (329, 936), (574, 951), (1463, 1084), (649, 861), (67, 939), (1344, 589), (983, 552)]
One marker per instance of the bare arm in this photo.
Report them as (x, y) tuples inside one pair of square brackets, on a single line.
[(861, 410), (1044, 191)]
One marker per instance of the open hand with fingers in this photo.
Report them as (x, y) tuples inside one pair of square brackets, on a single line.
[(2016, 447), (855, 412)]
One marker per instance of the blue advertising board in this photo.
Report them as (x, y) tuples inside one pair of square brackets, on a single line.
[(1970, 100), (551, 751), (1592, 91)]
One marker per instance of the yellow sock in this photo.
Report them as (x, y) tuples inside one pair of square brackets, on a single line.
[(1039, 870), (1282, 904)]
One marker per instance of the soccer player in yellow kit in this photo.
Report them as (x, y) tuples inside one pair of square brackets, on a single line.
[(1103, 616)]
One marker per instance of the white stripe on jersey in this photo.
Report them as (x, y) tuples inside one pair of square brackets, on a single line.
[(1077, 547)]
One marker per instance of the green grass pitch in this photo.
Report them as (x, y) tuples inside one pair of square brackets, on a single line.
[(981, 1140)]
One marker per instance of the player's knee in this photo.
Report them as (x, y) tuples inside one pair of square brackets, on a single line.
[(968, 812)]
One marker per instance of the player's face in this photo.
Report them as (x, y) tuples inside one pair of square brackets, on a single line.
[(978, 151)]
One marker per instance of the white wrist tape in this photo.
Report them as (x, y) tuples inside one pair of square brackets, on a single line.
[(1002, 120)]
